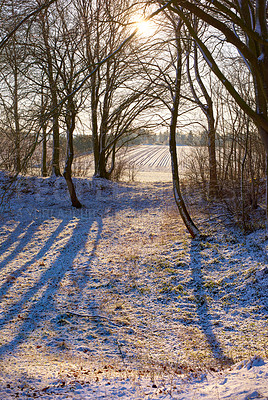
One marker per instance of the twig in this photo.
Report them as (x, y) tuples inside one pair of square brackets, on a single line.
[(92, 317), (120, 351)]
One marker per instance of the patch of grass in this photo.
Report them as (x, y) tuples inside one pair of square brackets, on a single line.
[(166, 288), (213, 286), (164, 264), (179, 288), (181, 264)]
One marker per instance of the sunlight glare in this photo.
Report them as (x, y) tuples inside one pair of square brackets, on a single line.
[(145, 28)]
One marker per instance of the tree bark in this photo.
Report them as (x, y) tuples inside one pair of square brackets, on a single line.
[(70, 123), (44, 132), (207, 109), (16, 116), (54, 99), (44, 153), (254, 51), (213, 177), (192, 229)]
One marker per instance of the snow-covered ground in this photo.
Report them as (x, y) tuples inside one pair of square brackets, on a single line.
[(117, 301)]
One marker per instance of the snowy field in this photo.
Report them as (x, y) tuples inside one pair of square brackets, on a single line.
[(144, 159), (158, 156), (116, 301)]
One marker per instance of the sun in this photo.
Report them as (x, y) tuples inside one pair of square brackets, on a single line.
[(145, 27)]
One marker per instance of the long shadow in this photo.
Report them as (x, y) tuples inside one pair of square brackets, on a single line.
[(50, 280), (132, 197), (80, 281), (205, 319), (22, 225), (38, 256), (30, 227)]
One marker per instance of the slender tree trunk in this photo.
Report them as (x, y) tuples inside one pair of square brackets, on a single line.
[(102, 160), (44, 153), (94, 122), (94, 89), (44, 132), (70, 123), (208, 111), (213, 176), (54, 99), (243, 164), (109, 173), (193, 230), (56, 147), (17, 126), (16, 114)]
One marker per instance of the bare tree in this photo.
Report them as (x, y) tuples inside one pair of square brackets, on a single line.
[(193, 230), (44, 123), (47, 21), (241, 153), (18, 111), (67, 64), (118, 93), (244, 25), (27, 12), (204, 101)]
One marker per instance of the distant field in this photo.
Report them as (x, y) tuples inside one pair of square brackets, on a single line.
[(151, 162), (157, 156)]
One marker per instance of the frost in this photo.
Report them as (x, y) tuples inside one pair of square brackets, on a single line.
[(261, 57), (116, 301)]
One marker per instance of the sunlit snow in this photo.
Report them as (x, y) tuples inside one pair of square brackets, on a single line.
[(117, 301)]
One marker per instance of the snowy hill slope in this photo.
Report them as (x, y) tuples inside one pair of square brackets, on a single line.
[(117, 301)]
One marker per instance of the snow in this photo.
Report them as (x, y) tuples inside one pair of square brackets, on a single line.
[(261, 57), (141, 160), (117, 301)]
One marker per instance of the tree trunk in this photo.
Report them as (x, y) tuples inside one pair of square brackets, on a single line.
[(101, 167), (243, 165), (111, 169), (102, 159), (70, 123), (54, 99), (208, 111), (94, 122), (213, 178), (193, 230), (16, 115), (44, 153), (56, 147), (44, 131)]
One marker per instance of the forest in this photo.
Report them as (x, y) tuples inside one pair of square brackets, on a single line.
[(133, 199)]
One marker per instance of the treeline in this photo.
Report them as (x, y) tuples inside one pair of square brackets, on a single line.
[(52, 85)]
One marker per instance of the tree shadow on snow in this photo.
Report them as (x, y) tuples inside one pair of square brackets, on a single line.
[(28, 229), (30, 299), (35, 301), (202, 307)]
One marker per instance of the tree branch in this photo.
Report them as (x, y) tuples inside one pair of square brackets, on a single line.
[(28, 16)]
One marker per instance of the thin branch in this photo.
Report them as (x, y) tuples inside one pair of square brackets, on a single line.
[(28, 16), (109, 57)]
